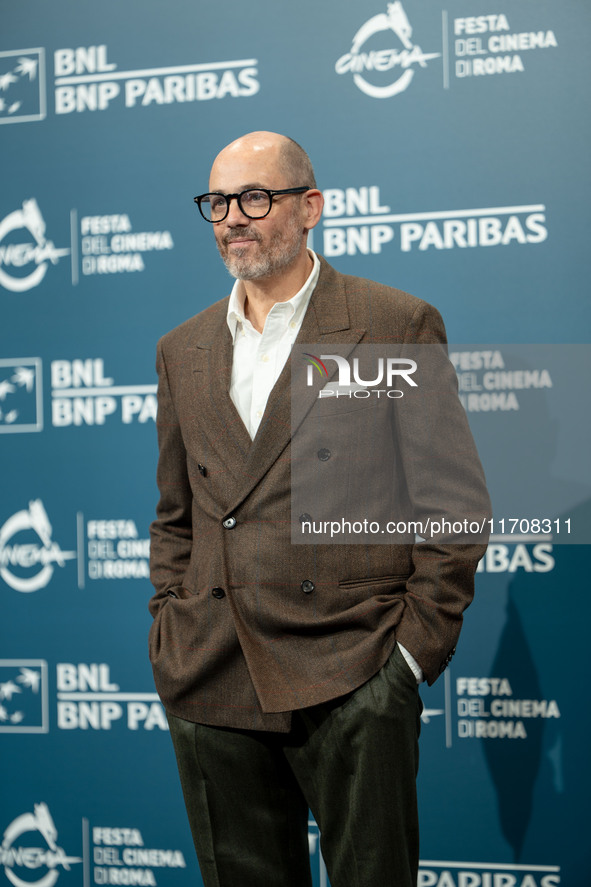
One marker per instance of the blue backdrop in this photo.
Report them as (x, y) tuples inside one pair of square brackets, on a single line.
[(450, 142)]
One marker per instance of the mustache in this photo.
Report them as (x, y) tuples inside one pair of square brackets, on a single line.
[(240, 234)]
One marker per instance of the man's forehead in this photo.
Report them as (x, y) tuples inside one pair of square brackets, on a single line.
[(248, 162), (248, 170), (254, 143)]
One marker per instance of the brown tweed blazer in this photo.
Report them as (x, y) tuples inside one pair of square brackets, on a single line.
[(238, 638)]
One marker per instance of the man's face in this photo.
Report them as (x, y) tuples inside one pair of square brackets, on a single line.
[(257, 248)]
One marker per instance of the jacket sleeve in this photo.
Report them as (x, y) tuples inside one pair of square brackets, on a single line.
[(445, 480), (171, 533)]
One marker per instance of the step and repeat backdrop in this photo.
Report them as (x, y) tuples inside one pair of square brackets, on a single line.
[(451, 142)]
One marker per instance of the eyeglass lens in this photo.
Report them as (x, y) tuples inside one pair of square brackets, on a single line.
[(254, 204)]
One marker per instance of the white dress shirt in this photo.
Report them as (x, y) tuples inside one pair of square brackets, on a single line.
[(258, 359)]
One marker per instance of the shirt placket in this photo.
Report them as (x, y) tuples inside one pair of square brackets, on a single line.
[(264, 365)]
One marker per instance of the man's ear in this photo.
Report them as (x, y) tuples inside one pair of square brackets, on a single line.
[(314, 203)]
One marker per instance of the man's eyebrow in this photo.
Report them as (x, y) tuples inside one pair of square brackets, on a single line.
[(248, 187)]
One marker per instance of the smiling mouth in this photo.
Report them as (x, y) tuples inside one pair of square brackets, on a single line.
[(239, 237)]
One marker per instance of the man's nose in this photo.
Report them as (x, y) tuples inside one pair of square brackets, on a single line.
[(235, 215)]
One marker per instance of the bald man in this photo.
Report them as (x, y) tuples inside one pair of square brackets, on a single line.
[(289, 673)]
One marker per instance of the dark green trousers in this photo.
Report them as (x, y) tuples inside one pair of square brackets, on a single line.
[(353, 761)]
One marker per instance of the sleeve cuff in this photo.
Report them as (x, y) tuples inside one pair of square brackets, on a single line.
[(412, 664)]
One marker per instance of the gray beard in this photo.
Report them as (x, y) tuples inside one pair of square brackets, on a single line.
[(265, 266), (281, 252)]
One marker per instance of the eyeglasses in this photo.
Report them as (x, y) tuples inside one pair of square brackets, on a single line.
[(255, 203)]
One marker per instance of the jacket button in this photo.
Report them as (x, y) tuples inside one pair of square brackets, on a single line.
[(307, 586), (218, 593), (202, 469), (324, 454), (229, 523), (305, 518)]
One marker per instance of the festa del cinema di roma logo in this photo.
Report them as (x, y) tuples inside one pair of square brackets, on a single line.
[(27, 564), (24, 263), (46, 860), (398, 61)]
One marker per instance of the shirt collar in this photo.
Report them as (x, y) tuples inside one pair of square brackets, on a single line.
[(294, 308)]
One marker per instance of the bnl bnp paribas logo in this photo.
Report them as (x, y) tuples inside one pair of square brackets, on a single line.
[(28, 865), (22, 85), (382, 71), (24, 700), (85, 80)]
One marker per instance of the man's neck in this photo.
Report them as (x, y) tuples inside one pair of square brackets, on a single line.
[(262, 294)]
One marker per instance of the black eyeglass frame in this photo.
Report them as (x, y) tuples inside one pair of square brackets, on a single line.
[(228, 197)]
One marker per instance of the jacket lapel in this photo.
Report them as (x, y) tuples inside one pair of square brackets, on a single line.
[(216, 417)]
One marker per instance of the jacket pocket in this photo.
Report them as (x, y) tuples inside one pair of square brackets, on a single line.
[(179, 592), (378, 582)]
